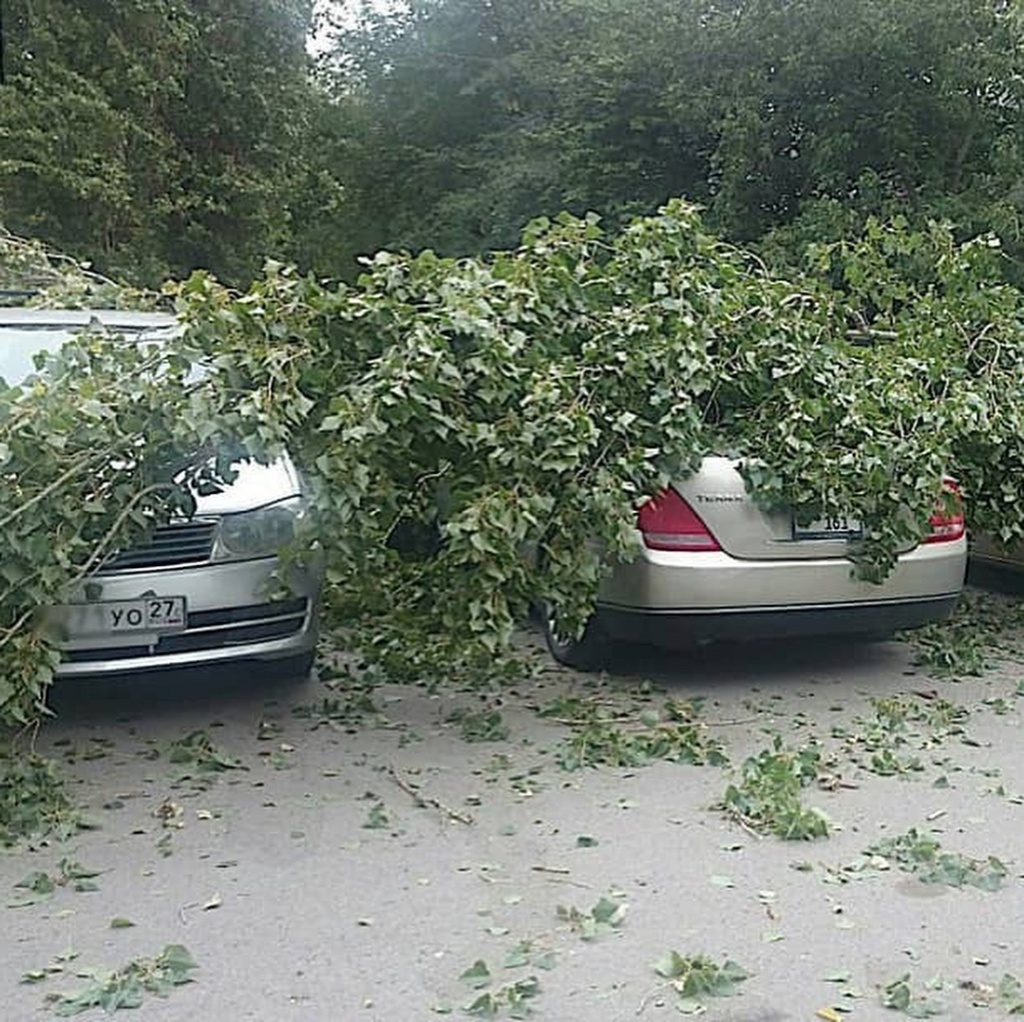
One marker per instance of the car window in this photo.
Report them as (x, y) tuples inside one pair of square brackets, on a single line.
[(19, 343)]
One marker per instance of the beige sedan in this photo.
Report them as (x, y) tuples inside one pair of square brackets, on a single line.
[(712, 565)]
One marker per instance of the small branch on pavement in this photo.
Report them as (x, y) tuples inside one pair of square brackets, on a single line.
[(640, 725), (736, 818), (584, 721), (570, 882), (649, 996), (426, 801)]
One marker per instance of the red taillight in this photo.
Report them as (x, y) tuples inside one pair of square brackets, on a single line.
[(948, 521), (669, 523)]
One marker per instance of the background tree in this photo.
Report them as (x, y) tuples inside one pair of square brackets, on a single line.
[(446, 144), (467, 118), (154, 136)]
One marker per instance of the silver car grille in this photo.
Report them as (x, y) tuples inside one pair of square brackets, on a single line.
[(170, 546)]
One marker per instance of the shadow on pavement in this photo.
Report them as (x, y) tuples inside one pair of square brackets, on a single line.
[(782, 664), (155, 694), (764, 661), (218, 691)]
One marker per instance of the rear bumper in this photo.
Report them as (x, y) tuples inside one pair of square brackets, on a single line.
[(684, 628), (677, 598), (716, 582)]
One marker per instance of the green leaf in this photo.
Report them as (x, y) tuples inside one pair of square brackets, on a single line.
[(477, 975), (670, 966), (519, 956), (377, 818), (606, 910), (484, 1006), (38, 883), (176, 959), (546, 961)]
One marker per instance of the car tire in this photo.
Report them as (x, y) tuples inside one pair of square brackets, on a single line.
[(590, 652)]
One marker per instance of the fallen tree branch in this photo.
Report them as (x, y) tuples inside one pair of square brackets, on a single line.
[(426, 801)]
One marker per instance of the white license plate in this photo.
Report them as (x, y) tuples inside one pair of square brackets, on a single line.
[(830, 527), (149, 615)]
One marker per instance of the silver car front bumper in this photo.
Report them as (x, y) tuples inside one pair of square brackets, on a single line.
[(230, 616)]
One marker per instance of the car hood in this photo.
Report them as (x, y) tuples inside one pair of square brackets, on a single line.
[(256, 486)]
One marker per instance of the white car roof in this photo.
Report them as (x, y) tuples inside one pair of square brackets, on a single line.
[(113, 318)]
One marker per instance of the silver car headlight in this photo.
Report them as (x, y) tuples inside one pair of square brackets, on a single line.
[(261, 533)]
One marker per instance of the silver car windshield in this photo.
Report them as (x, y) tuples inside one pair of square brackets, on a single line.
[(19, 344)]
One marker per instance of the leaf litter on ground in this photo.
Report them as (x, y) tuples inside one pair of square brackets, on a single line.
[(196, 749), (605, 917), (127, 987), (674, 733), (34, 802), (983, 624), (767, 797), (479, 725), (897, 995), (40, 885), (494, 998), (922, 855), (696, 978)]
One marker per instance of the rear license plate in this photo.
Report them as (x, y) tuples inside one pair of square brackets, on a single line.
[(149, 615), (841, 527)]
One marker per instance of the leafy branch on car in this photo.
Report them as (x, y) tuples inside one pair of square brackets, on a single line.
[(480, 434)]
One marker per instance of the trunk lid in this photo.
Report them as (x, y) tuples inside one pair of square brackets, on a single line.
[(719, 496)]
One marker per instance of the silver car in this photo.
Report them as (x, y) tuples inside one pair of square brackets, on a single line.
[(198, 591), (712, 565)]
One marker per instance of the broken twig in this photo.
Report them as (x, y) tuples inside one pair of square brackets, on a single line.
[(426, 801)]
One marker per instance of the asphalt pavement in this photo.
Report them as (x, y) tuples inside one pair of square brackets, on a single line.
[(329, 853)]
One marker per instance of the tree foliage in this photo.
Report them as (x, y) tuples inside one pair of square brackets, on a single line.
[(484, 430), (480, 432), (155, 137), (468, 119), (159, 137), (32, 273), (480, 429)]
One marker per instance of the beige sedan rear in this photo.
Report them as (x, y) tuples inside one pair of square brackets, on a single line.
[(714, 566)]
